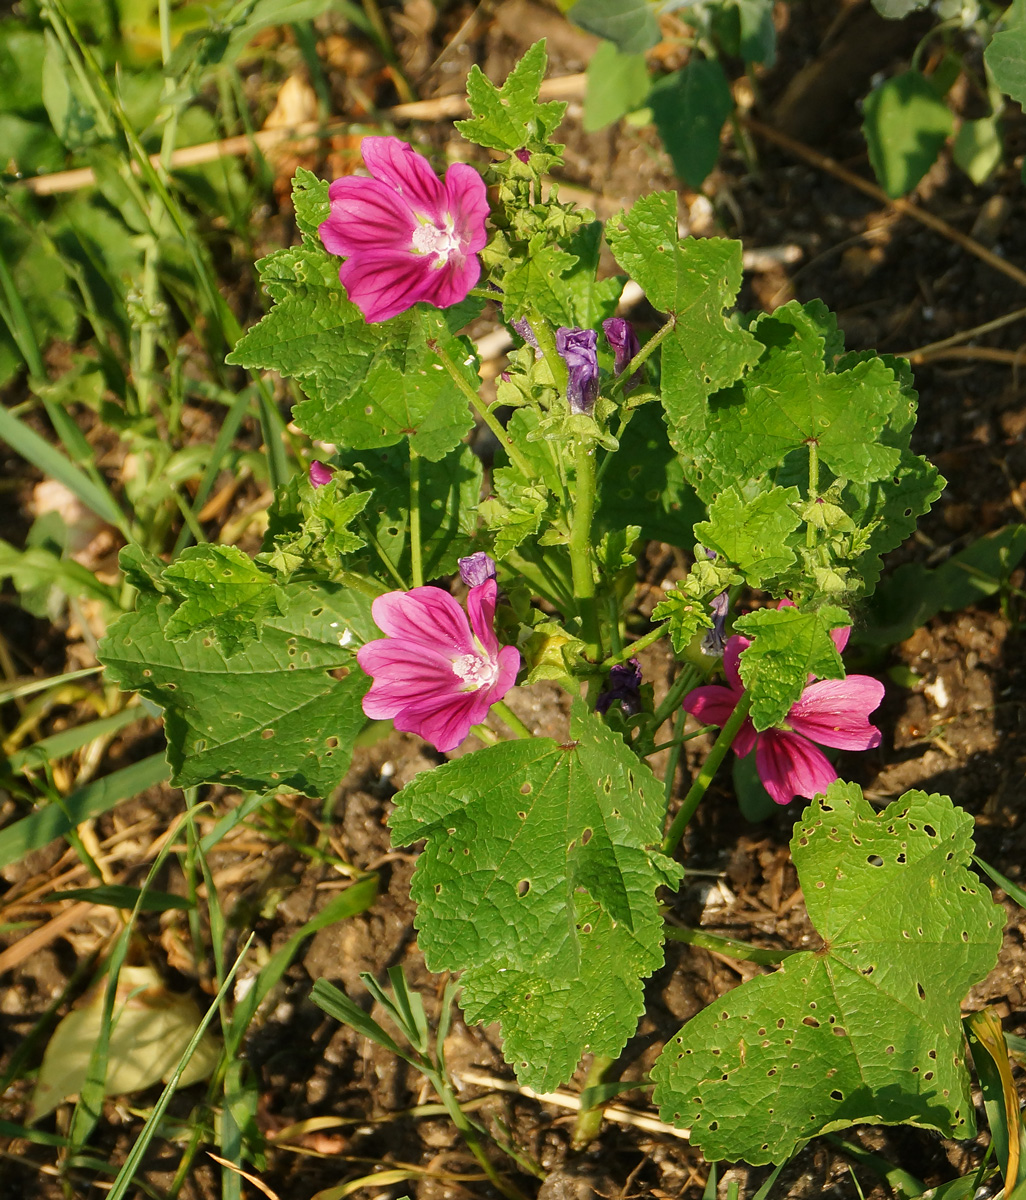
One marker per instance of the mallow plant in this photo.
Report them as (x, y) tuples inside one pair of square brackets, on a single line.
[(403, 580)]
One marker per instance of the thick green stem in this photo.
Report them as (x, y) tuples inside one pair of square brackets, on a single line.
[(482, 410), (810, 529), (728, 947), (416, 564), (705, 776), (589, 1120), (505, 713), (580, 548), (680, 687)]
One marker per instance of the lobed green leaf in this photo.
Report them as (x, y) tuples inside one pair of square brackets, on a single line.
[(866, 1028), (538, 881)]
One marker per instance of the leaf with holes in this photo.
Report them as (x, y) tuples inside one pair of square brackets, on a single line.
[(866, 1028), (224, 593), (752, 533), (539, 883), (275, 714)]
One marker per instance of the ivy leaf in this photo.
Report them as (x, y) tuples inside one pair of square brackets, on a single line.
[(689, 107), (511, 118), (695, 281), (269, 716), (820, 1044), (223, 592), (788, 646), (449, 493), (752, 534), (905, 124), (629, 24), (1006, 59), (368, 385), (537, 882)]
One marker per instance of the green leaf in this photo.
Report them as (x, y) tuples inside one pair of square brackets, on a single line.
[(645, 484), (536, 281), (617, 83), (913, 593), (795, 395), (591, 299), (977, 148), (224, 593), (689, 108), (695, 281), (310, 200), (629, 24), (789, 645), (271, 715), (752, 534), (368, 385), (537, 881), (449, 493), (117, 895), (866, 1028), (1006, 60), (511, 118), (905, 124), (758, 33)]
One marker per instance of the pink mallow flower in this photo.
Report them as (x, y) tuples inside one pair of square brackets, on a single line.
[(832, 712), (405, 235), (436, 674)]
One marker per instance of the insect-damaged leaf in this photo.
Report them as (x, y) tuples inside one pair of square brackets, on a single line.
[(537, 882), (866, 1028)]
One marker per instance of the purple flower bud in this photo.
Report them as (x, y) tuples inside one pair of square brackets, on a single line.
[(320, 474), (523, 155), (523, 328), (715, 640), (623, 341), (477, 568), (624, 686), (577, 347)]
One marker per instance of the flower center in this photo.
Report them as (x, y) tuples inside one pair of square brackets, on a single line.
[(475, 671), (429, 239)]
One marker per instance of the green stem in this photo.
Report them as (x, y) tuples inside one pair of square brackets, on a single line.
[(547, 345), (506, 714), (685, 681), (580, 547), (810, 529), (416, 563), (673, 759), (469, 1133), (589, 1120), (728, 947), (482, 410), (636, 647), (705, 776)]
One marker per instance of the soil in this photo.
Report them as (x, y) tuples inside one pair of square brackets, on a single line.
[(960, 729)]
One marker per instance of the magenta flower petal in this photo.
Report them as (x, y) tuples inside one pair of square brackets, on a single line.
[(406, 172), (436, 673), (711, 704), (790, 765), (405, 234), (736, 645), (835, 712)]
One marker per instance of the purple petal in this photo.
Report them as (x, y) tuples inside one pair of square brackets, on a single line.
[(578, 349), (450, 283), (365, 214), (477, 568), (789, 766), (736, 645), (405, 171), (715, 643), (625, 345), (835, 712), (711, 704)]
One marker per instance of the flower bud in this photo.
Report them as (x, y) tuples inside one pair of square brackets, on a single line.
[(623, 342), (320, 474), (477, 568), (577, 348)]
